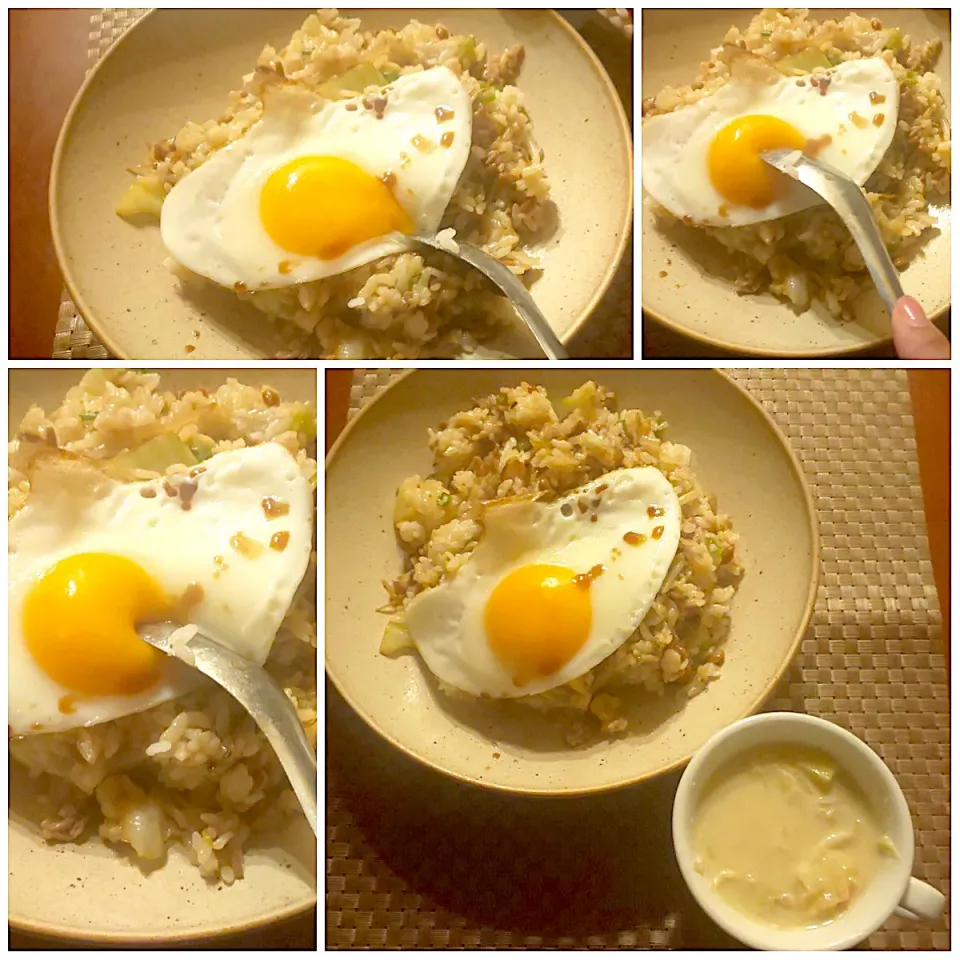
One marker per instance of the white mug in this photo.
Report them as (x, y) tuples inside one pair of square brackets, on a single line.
[(893, 890)]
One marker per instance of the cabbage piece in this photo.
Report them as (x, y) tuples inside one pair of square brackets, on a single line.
[(355, 80), (805, 61), (155, 455), (143, 197), (396, 639)]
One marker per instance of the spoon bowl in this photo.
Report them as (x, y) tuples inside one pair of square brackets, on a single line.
[(257, 692)]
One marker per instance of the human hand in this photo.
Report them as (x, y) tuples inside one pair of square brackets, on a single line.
[(914, 336)]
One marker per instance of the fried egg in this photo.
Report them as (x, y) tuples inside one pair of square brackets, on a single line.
[(552, 588), (223, 547), (319, 187), (703, 161)]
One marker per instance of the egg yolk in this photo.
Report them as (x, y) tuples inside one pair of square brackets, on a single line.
[(738, 172), (324, 206), (537, 618), (79, 624)]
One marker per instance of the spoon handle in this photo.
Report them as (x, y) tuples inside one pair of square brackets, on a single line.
[(853, 208), (519, 296), (264, 700), (509, 286)]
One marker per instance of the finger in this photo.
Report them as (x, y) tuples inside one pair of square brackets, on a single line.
[(914, 336)]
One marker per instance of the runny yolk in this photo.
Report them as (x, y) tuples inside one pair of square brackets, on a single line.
[(536, 619), (324, 206), (79, 624), (737, 171)]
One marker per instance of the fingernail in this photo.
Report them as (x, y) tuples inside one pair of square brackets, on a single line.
[(912, 312)]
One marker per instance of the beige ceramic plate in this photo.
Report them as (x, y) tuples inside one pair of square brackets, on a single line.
[(738, 453), (692, 299), (177, 65), (87, 891)]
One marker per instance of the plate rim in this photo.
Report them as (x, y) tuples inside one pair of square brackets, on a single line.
[(109, 938), (756, 704), (624, 228), (735, 351)]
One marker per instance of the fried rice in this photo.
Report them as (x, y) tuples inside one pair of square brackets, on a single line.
[(194, 772), (810, 255), (412, 304), (517, 442)]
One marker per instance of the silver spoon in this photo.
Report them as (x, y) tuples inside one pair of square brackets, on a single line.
[(508, 285), (854, 210), (257, 693)]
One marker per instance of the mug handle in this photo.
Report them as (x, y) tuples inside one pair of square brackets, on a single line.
[(920, 901)]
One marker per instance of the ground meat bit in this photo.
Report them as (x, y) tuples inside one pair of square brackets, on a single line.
[(821, 84), (186, 491), (716, 657), (505, 68), (164, 149)]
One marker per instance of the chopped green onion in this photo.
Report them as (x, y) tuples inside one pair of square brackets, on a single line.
[(306, 423)]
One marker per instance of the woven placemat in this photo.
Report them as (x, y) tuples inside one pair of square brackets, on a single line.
[(415, 859), (608, 335)]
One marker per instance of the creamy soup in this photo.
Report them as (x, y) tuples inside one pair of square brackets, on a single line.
[(786, 837)]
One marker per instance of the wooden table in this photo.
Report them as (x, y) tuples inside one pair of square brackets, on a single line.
[(930, 392), (48, 59)]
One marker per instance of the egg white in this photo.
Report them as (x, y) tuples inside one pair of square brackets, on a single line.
[(676, 145), (74, 508), (210, 222), (447, 621)]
